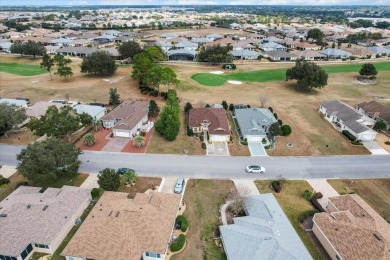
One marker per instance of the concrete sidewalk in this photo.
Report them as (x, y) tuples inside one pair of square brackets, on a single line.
[(7, 171), (90, 182), (246, 187), (374, 148), (321, 185)]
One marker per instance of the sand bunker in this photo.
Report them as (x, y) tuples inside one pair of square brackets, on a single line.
[(114, 80), (216, 72), (235, 82)]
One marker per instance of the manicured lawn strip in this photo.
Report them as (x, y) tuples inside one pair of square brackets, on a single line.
[(293, 203), (375, 192), (203, 198), (209, 79), (21, 69)]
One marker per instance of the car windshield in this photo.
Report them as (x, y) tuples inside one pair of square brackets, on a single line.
[(178, 185), (255, 167)]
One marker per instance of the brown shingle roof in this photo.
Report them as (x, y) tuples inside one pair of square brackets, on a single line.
[(353, 228), (376, 109), (142, 224), (216, 117)]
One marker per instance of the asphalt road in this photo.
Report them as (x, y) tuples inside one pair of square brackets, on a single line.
[(362, 166)]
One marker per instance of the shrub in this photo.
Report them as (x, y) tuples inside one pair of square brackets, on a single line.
[(317, 195), (179, 243), (231, 107), (306, 214), (201, 138), (350, 136), (380, 125), (307, 194), (203, 146), (270, 109), (224, 104), (387, 142), (183, 221), (95, 193), (280, 122), (3, 180), (142, 133), (190, 132), (357, 142), (276, 116), (245, 142), (264, 141), (22, 183), (286, 130), (277, 185)]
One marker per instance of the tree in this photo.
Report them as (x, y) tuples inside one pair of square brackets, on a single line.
[(168, 124), (156, 54), (142, 63), (315, 34), (224, 104), (231, 107), (153, 108), (308, 75), (28, 48), (47, 63), (153, 77), (97, 124), (109, 179), (139, 141), (99, 63), (129, 49), (129, 177), (214, 54), (382, 25), (114, 97), (275, 129), (56, 122), (168, 77), (380, 125), (368, 70), (187, 107), (286, 130), (63, 68), (10, 116), (86, 119), (48, 160), (89, 139)]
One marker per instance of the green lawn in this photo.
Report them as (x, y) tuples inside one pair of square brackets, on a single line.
[(21, 69), (209, 79)]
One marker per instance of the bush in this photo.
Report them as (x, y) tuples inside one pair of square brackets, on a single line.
[(276, 116), (306, 214), (387, 142), (183, 221), (190, 132), (142, 133), (3, 180), (277, 185), (280, 122), (231, 107), (357, 142), (264, 141), (286, 130), (22, 183), (179, 243), (229, 66), (270, 109), (245, 142), (201, 138), (203, 146), (317, 195), (95, 193), (380, 125), (350, 136), (307, 194)]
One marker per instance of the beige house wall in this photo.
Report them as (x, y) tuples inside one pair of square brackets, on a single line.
[(325, 242)]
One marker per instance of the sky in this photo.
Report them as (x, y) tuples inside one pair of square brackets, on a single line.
[(192, 2)]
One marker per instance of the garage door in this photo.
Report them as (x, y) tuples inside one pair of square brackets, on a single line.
[(219, 138), (366, 137), (254, 138), (121, 133)]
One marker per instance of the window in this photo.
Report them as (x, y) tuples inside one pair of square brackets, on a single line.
[(152, 254), (26, 251), (3, 257), (41, 246)]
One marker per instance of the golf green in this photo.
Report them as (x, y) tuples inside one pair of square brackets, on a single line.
[(209, 79), (21, 69)]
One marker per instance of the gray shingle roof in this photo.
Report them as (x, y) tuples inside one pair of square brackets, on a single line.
[(332, 52), (265, 233), (253, 121), (93, 111), (24, 225)]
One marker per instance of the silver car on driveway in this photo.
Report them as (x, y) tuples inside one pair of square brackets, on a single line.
[(179, 186)]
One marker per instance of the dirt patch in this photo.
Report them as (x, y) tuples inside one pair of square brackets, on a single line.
[(141, 185), (19, 138)]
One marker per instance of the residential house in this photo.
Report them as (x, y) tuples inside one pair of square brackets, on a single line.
[(6, 46), (272, 46), (76, 51), (363, 53), (365, 43), (245, 54), (201, 41), (279, 55), (187, 45), (303, 46), (211, 120), (309, 55), (235, 26), (59, 42), (344, 117), (264, 233), (165, 46), (33, 220), (333, 53), (181, 54), (39, 109), (128, 118), (96, 112), (376, 111), (168, 36), (380, 51), (243, 45), (351, 229), (214, 36), (121, 228), (272, 39), (253, 123), (19, 102), (112, 33)]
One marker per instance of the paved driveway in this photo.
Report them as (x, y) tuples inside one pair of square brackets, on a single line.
[(374, 148), (169, 185), (218, 149), (257, 149), (116, 144)]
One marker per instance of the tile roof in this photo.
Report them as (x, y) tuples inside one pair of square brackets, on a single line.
[(26, 221), (120, 228), (265, 233), (253, 121), (376, 109), (39, 109), (217, 118), (353, 229)]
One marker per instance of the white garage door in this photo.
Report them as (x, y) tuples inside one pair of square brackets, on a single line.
[(218, 138), (121, 133), (366, 137), (254, 138)]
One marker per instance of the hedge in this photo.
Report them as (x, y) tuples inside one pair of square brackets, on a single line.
[(306, 214), (286, 130), (95, 193), (183, 221), (179, 243), (350, 136)]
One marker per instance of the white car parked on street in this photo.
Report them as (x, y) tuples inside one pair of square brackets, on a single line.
[(255, 169)]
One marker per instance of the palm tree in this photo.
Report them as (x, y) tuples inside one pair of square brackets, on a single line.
[(89, 139), (129, 176), (139, 141), (97, 124)]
